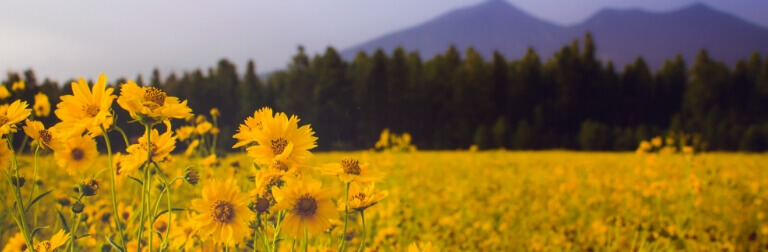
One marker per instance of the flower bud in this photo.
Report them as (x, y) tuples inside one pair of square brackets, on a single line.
[(18, 181), (89, 187), (260, 206), (191, 175), (78, 207)]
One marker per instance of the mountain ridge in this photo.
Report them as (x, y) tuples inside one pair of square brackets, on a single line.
[(621, 35)]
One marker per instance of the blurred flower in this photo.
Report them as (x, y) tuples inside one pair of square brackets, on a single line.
[(5, 154), (215, 112), (203, 128), (42, 105), (76, 154), (184, 132), (18, 86), (4, 94), (351, 170), (15, 243), (191, 148), (362, 197)]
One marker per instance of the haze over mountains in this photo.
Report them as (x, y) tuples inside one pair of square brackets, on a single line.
[(620, 35)]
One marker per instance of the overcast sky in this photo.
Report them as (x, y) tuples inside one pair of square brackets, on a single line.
[(65, 39)]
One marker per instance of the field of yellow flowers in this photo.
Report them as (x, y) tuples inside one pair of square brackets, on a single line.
[(271, 193)]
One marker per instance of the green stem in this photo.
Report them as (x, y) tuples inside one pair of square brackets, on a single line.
[(34, 186), (112, 172), (346, 218), (23, 144), (125, 137), (362, 241), (19, 200), (72, 238), (145, 201), (277, 230)]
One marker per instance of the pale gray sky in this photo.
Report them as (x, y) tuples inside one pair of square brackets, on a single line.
[(65, 39)]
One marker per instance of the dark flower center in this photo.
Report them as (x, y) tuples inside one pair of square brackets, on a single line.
[(45, 136), (222, 211), (155, 96), (278, 146), (350, 166), (3, 120), (280, 166), (77, 154), (306, 206), (91, 110)]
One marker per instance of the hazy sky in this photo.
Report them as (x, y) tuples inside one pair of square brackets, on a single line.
[(65, 39)]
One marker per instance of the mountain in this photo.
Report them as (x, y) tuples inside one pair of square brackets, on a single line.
[(620, 35)]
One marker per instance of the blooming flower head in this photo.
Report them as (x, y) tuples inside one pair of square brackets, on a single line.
[(309, 207), (77, 154), (15, 243), (247, 132), (11, 114), (363, 196), (282, 139), (56, 241), (161, 147), (184, 132), (150, 104), (86, 109), (349, 170), (42, 105), (46, 138), (223, 212)]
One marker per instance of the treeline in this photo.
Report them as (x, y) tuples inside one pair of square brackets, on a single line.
[(571, 100)]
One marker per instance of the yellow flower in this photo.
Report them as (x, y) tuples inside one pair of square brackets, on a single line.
[(12, 114), (351, 170), (77, 154), (203, 128), (161, 147), (49, 138), (362, 197), (265, 179), (15, 244), (19, 85), (42, 105), (281, 139), (183, 234), (4, 92), (215, 112), (209, 161), (223, 212), (184, 132), (247, 132), (423, 247), (57, 240), (309, 205), (150, 103), (5, 154), (121, 169), (86, 109), (191, 148)]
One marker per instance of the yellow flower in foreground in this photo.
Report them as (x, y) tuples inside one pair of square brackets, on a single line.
[(5, 154), (77, 154), (247, 132), (57, 240), (4, 92), (362, 197), (309, 207), (11, 114), (15, 244), (46, 138), (161, 147), (42, 105), (223, 212), (86, 109), (281, 139), (151, 103), (351, 170)]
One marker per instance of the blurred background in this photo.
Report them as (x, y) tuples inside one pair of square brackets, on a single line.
[(590, 75)]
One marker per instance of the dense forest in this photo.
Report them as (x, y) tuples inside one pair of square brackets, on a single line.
[(570, 100)]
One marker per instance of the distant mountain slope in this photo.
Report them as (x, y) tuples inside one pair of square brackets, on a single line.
[(621, 35)]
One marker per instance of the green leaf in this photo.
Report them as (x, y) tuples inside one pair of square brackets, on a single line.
[(165, 211), (37, 199), (38, 229), (114, 245), (137, 180), (63, 221)]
